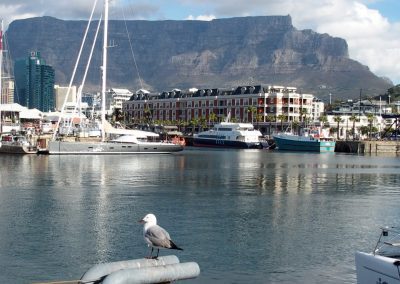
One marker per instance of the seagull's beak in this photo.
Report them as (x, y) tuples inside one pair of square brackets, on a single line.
[(141, 221)]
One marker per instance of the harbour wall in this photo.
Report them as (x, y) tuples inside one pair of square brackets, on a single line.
[(368, 147)]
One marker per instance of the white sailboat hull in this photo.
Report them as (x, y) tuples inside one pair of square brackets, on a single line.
[(373, 269), (104, 148)]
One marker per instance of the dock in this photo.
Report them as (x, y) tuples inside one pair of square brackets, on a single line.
[(368, 147)]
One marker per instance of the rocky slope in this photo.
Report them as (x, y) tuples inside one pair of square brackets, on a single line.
[(184, 54)]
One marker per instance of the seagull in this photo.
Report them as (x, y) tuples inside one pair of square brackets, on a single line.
[(155, 236)]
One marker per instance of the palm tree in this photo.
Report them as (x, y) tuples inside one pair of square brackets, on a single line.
[(282, 118), (212, 117), (252, 110), (323, 119), (303, 114), (370, 118), (353, 118), (338, 119), (270, 118)]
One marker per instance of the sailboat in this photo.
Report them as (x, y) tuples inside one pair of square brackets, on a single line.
[(126, 141)]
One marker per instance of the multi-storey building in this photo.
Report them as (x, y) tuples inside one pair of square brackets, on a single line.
[(244, 103), (34, 83)]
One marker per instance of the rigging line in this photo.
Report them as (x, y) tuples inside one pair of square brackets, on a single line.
[(74, 72), (132, 52), (79, 96)]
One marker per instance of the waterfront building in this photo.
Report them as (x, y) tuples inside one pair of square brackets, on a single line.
[(255, 104), (35, 82), (60, 93), (115, 99), (7, 92)]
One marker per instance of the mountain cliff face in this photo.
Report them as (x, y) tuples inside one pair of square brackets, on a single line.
[(184, 54)]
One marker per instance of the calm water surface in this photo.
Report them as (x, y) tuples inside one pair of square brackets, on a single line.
[(244, 216)]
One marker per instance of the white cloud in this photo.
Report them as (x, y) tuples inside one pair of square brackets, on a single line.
[(372, 39), (201, 17)]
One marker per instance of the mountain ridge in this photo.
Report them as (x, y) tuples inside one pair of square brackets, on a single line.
[(215, 54)]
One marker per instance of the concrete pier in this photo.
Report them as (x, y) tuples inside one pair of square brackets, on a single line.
[(368, 147)]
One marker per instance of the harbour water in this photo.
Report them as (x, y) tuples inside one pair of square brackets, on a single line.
[(245, 216)]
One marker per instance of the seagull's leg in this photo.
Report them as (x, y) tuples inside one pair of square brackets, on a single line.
[(151, 253), (158, 251)]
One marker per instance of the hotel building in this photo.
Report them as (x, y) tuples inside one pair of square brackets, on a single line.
[(245, 103)]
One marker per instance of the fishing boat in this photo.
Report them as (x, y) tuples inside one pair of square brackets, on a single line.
[(229, 135), (306, 141), (113, 140), (383, 264)]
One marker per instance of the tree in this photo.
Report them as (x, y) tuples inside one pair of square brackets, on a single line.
[(252, 110), (212, 117), (323, 119), (354, 118), (338, 119), (282, 118), (303, 115), (270, 118), (370, 118)]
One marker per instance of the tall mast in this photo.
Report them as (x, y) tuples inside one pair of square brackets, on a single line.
[(1, 70), (104, 70)]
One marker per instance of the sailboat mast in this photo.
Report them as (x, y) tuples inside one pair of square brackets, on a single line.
[(104, 70), (1, 71)]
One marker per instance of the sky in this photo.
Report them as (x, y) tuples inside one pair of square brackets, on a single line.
[(370, 27)]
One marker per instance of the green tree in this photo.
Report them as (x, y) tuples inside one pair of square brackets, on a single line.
[(270, 118), (252, 110), (338, 119), (353, 118), (303, 115), (282, 118), (370, 118), (323, 119)]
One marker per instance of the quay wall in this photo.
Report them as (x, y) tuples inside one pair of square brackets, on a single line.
[(368, 147)]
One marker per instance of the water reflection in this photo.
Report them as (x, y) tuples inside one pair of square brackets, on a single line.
[(245, 216)]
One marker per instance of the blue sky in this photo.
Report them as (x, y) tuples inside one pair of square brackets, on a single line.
[(370, 27)]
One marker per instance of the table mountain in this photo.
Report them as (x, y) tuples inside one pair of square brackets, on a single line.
[(183, 54)]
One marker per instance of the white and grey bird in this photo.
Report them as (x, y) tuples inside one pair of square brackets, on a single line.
[(156, 236)]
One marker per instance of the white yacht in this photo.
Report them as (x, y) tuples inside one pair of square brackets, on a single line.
[(229, 135), (383, 264), (128, 142)]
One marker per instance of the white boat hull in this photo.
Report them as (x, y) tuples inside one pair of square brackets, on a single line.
[(110, 148), (377, 269)]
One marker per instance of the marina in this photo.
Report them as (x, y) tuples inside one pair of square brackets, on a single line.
[(308, 213)]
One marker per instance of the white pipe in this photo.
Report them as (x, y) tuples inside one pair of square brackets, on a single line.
[(100, 270), (156, 274)]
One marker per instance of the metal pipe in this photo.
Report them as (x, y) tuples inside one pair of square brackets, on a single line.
[(103, 269), (157, 274)]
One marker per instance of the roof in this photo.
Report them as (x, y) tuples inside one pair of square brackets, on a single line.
[(31, 114)]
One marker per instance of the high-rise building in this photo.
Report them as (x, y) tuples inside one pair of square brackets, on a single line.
[(34, 82)]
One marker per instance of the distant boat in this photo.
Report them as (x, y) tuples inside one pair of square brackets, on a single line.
[(383, 264), (229, 135), (16, 144), (126, 141), (305, 142)]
